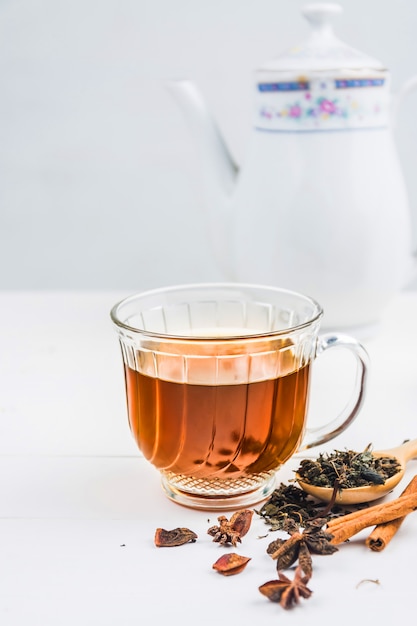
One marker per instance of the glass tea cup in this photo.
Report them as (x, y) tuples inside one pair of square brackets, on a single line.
[(217, 382)]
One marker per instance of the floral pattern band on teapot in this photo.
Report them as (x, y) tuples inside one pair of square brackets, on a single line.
[(322, 104), (345, 88)]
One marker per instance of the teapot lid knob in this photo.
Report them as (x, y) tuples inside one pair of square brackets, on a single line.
[(320, 14), (322, 51)]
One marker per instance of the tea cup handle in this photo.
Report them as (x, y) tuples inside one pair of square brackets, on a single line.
[(322, 434)]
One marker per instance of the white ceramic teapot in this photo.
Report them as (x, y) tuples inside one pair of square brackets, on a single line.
[(320, 204)]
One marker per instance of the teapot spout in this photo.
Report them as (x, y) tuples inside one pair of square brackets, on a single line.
[(219, 168), (219, 171)]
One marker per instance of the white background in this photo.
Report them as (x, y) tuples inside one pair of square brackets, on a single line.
[(99, 184), (99, 190)]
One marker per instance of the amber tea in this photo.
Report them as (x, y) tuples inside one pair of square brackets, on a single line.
[(215, 431), (217, 385)]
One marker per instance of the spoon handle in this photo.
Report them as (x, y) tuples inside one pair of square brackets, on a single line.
[(406, 451)]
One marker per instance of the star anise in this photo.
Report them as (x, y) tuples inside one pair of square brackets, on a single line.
[(285, 591), (231, 531), (301, 545)]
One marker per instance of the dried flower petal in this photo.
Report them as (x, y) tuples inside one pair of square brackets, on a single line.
[(176, 537), (241, 521), (231, 563)]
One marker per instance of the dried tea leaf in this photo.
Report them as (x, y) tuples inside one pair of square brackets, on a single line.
[(350, 468), (176, 537), (289, 502), (230, 564)]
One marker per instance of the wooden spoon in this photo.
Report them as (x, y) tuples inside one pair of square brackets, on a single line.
[(356, 495)]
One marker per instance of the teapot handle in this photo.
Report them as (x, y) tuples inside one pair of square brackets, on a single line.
[(408, 87)]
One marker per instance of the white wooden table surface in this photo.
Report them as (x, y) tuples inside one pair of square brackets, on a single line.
[(79, 505)]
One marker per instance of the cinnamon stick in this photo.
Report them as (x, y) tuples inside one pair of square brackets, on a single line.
[(343, 528), (383, 533), (337, 522)]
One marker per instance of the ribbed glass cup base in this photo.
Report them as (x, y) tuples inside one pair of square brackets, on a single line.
[(217, 494)]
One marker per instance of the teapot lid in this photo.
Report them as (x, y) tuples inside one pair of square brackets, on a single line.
[(322, 51)]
